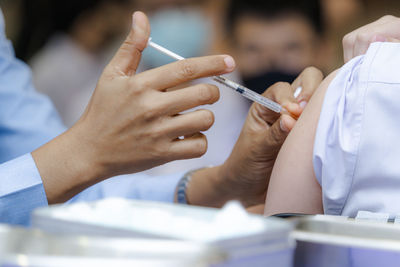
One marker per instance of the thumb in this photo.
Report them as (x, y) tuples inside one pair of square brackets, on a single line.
[(278, 132), (127, 58)]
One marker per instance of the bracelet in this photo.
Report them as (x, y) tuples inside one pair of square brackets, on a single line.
[(182, 186), (183, 183)]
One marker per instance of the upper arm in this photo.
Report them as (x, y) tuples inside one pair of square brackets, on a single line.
[(293, 186)]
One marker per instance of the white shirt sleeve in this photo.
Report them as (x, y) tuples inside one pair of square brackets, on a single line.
[(357, 149)]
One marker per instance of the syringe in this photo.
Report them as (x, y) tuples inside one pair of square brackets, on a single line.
[(244, 91)]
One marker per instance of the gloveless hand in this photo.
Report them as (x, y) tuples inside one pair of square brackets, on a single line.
[(385, 29), (245, 174), (133, 121)]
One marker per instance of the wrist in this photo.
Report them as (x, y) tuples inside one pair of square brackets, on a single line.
[(66, 165), (209, 187)]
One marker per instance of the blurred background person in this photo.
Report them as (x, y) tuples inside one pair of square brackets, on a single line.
[(275, 40), (271, 40), (193, 28), (189, 28), (76, 38)]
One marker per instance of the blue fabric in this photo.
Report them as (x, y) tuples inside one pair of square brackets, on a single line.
[(27, 121), (136, 186), (21, 190), (27, 118)]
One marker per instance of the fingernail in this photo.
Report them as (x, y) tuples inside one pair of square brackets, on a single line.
[(283, 127), (303, 104), (297, 91), (230, 63), (134, 19)]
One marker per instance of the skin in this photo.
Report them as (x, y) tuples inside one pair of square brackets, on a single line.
[(132, 122), (245, 174), (293, 174), (385, 29), (286, 43)]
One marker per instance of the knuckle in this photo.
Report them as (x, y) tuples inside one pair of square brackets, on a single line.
[(281, 84), (363, 37), (150, 112), (136, 84), (387, 18), (160, 152), (141, 84), (133, 84), (278, 87), (155, 134), (276, 136), (207, 93), (347, 40), (314, 71), (187, 70)]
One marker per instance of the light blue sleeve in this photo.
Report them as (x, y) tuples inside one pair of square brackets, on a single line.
[(27, 118), (21, 190), (135, 186), (27, 121)]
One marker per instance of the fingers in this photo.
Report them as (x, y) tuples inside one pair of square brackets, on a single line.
[(348, 42), (309, 80), (127, 58), (278, 132), (356, 43), (286, 123), (190, 123), (190, 147), (186, 70), (281, 93), (183, 99)]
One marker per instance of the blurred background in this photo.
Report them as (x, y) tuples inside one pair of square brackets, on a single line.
[(68, 43)]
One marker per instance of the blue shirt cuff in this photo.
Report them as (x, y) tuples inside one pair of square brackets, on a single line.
[(21, 190), (134, 186)]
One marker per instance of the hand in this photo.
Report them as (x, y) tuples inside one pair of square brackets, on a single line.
[(245, 174), (133, 121), (386, 29)]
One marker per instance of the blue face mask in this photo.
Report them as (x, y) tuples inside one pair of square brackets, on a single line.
[(183, 31)]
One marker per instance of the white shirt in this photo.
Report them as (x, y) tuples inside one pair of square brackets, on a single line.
[(357, 146)]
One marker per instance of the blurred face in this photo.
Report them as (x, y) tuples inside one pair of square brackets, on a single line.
[(286, 44), (96, 29)]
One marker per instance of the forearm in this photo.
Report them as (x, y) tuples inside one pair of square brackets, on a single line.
[(66, 166)]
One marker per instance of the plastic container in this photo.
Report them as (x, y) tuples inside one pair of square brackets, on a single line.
[(27, 247), (245, 239)]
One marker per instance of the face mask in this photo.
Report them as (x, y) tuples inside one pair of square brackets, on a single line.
[(262, 82), (183, 31)]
